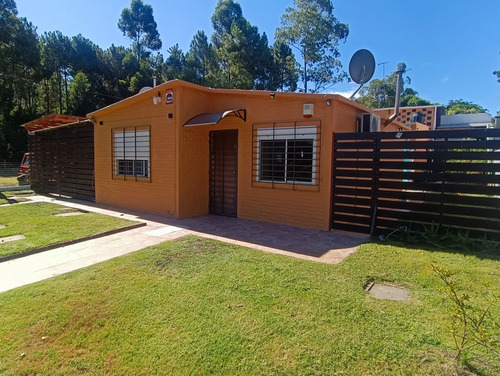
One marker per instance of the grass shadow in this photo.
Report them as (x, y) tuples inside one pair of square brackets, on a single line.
[(5, 200), (481, 253)]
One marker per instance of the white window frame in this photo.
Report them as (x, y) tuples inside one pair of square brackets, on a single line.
[(132, 145), (292, 133)]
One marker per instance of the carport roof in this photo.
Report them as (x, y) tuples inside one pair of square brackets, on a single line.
[(51, 121)]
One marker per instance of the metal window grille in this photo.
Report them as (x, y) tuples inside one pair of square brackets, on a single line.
[(286, 154), (131, 152)]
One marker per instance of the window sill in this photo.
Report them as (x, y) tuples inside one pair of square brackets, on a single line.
[(132, 179), (310, 187)]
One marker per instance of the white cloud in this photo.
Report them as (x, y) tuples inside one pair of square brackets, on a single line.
[(346, 94)]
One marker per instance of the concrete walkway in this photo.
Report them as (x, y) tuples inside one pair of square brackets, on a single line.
[(320, 246)]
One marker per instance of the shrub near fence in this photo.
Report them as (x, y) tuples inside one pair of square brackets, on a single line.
[(450, 178)]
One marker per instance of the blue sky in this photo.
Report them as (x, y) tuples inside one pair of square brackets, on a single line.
[(451, 48)]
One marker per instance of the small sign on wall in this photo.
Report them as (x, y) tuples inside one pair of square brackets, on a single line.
[(169, 96)]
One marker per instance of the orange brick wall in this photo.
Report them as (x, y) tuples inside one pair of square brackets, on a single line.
[(405, 114), (180, 155), (193, 154), (157, 196), (302, 207)]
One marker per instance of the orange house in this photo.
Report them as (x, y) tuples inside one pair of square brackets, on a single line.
[(183, 150)]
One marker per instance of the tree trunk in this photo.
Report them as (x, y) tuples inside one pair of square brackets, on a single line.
[(59, 82), (305, 75), (47, 96), (66, 90)]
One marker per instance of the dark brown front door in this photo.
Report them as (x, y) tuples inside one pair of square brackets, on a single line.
[(223, 172)]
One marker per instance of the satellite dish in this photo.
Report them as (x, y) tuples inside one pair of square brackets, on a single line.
[(361, 68), (145, 88)]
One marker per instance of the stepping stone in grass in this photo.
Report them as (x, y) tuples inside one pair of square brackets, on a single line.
[(12, 238), (387, 291), (69, 214)]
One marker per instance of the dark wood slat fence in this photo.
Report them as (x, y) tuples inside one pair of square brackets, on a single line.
[(382, 181), (62, 161)]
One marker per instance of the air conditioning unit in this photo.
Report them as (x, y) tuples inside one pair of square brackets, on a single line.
[(370, 123)]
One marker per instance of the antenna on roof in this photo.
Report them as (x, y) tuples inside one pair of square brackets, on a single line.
[(383, 67), (361, 68)]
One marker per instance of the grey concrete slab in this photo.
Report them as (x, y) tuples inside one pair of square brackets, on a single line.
[(389, 292), (12, 238), (70, 214)]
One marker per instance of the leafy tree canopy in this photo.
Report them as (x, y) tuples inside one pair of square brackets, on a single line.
[(80, 101), (138, 23), (8, 7), (313, 30), (242, 57), (227, 13), (287, 74), (175, 63), (19, 63), (199, 59), (410, 98), (381, 93), (460, 106)]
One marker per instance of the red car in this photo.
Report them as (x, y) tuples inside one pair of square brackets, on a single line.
[(24, 168)]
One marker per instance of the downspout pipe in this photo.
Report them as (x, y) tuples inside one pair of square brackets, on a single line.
[(399, 70)]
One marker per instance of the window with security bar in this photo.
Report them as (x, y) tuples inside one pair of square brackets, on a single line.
[(131, 152), (286, 154)]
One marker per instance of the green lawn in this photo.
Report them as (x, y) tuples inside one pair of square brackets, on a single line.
[(36, 221), (200, 307), (8, 181), (7, 197)]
